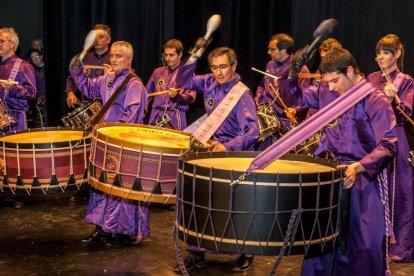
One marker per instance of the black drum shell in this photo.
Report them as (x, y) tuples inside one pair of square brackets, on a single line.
[(253, 218)]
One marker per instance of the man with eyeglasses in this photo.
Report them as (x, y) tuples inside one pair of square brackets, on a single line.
[(38, 109), (98, 57), (169, 110), (237, 131), (18, 80), (280, 50)]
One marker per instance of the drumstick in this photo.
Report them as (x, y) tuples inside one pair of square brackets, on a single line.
[(8, 81), (163, 92), (265, 73), (285, 108), (95, 67), (309, 76)]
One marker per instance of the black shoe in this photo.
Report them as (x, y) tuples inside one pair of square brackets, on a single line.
[(243, 263), (19, 205), (190, 263), (97, 236), (122, 239)]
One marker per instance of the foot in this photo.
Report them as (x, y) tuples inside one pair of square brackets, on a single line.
[(97, 236), (190, 263), (243, 263), (19, 205)]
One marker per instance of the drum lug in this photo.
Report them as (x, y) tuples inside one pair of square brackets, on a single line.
[(117, 181), (54, 181), (137, 185), (157, 189)]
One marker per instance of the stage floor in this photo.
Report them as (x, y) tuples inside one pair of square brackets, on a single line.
[(44, 239)]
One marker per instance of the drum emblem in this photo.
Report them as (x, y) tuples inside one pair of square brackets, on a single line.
[(209, 103), (86, 71), (111, 167), (160, 82)]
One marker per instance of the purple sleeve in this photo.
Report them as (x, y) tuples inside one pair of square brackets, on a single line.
[(187, 80), (70, 85), (88, 87), (382, 119), (150, 87), (307, 95), (249, 128), (406, 95), (26, 77)]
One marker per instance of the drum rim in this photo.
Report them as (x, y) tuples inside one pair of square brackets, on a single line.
[(184, 166), (23, 145), (132, 145)]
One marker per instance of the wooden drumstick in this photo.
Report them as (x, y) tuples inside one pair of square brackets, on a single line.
[(309, 76), (163, 92), (285, 108), (265, 73), (95, 67)]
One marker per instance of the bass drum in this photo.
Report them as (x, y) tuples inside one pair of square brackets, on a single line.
[(295, 199), (44, 160)]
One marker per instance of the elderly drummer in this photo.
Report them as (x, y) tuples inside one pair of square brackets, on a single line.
[(17, 80), (238, 131), (114, 216), (363, 140)]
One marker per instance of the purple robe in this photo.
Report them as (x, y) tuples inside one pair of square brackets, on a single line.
[(365, 133), (91, 58), (16, 99), (403, 223), (240, 129), (175, 108), (115, 214)]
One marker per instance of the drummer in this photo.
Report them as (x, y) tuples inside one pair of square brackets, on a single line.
[(18, 80), (363, 139), (98, 56), (169, 110), (125, 219), (17, 84), (280, 50), (238, 132)]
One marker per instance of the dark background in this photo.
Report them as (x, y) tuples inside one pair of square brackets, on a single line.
[(246, 26)]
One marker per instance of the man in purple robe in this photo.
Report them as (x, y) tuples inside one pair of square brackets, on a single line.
[(126, 219), (280, 50), (390, 56), (169, 110), (98, 57), (18, 80), (363, 140), (238, 132)]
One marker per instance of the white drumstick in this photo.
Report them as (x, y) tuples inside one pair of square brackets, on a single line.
[(89, 41), (212, 25)]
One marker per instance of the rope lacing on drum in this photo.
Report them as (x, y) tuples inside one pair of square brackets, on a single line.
[(383, 188)]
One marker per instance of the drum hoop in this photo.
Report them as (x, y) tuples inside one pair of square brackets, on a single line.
[(131, 194), (255, 243), (135, 146), (47, 145)]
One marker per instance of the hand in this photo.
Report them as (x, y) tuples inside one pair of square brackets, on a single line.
[(390, 91), (108, 68), (217, 146), (299, 59), (290, 112), (172, 92), (7, 85), (71, 99), (351, 173)]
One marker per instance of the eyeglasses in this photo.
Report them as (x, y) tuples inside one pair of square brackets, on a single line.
[(272, 49), (35, 57), (221, 67)]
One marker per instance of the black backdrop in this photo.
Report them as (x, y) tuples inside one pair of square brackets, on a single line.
[(246, 27)]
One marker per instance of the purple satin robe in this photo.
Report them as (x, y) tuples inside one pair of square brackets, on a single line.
[(163, 78), (403, 223), (240, 129), (91, 58), (16, 99), (365, 133), (115, 214)]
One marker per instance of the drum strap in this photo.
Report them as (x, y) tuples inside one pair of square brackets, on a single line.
[(217, 117), (108, 104), (14, 71)]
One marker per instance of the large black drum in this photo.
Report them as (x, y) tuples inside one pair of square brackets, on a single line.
[(296, 195)]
